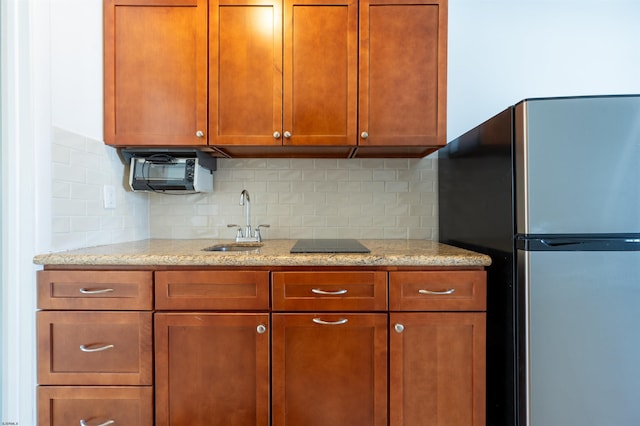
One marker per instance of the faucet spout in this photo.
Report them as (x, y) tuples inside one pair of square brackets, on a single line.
[(245, 200)]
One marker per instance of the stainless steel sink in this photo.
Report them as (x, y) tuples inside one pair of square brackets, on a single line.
[(234, 247)]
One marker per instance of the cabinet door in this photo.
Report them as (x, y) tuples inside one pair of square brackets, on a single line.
[(403, 73), (212, 369), (320, 72), (245, 97), (329, 369), (437, 373), (155, 72)]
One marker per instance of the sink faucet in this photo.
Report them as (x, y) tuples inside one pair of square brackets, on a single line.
[(245, 200)]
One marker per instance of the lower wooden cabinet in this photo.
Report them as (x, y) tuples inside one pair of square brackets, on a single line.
[(437, 369), (329, 369), (95, 405), (242, 347), (212, 369)]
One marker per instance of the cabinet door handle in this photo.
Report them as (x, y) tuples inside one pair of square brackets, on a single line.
[(399, 328), (261, 328), (437, 293), (95, 290), (85, 348), (200, 134), (83, 422), (323, 322), (287, 135), (330, 293)]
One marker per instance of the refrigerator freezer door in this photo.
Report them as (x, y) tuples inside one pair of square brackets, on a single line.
[(577, 165), (582, 337)]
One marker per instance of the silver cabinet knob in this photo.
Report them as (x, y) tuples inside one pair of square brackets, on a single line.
[(261, 329), (200, 134), (364, 135), (287, 135), (399, 328), (276, 135)]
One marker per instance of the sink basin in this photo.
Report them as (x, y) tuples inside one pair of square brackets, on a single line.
[(234, 247)]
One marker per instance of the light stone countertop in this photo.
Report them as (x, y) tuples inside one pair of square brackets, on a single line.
[(272, 253)]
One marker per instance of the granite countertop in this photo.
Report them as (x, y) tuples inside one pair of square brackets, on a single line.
[(271, 253)]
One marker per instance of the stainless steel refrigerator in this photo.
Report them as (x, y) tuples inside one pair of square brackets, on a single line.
[(550, 189)]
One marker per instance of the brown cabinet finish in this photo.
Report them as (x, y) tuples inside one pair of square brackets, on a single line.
[(277, 78), (212, 290), (437, 369), (329, 369), (155, 72), (329, 291), (95, 405), (320, 72), (263, 346), (95, 290), (438, 291), (212, 369), (94, 348), (245, 54), (402, 77), (283, 76)]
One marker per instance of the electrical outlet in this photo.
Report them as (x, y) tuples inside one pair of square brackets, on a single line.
[(109, 192)]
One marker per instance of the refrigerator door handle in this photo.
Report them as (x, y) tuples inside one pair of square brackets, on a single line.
[(560, 242)]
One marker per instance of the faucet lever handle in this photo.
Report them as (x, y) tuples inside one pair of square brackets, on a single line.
[(239, 232), (257, 234)]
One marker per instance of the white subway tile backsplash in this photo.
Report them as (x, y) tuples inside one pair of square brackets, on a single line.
[(80, 169), (299, 198)]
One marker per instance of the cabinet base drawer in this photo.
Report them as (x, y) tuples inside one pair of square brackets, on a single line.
[(438, 291), (329, 291), (92, 405), (95, 348), (95, 290)]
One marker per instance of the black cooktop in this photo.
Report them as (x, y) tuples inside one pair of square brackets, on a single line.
[(341, 245)]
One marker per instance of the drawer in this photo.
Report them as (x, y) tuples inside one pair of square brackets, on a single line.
[(95, 290), (63, 406), (212, 290), (438, 291), (95, 348), (329, 291)]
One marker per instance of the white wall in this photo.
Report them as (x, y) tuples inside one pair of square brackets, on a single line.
[(76, 66), (503, 51)]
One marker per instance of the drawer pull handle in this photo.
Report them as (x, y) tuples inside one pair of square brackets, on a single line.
[(95, 291), (84, 348), (330, 293), (323, 322), (83, 422), (437, 293)]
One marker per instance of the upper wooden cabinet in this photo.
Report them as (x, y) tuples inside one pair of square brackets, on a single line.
[(402, 77), (277, 78), (155, 72), (283, 82)]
